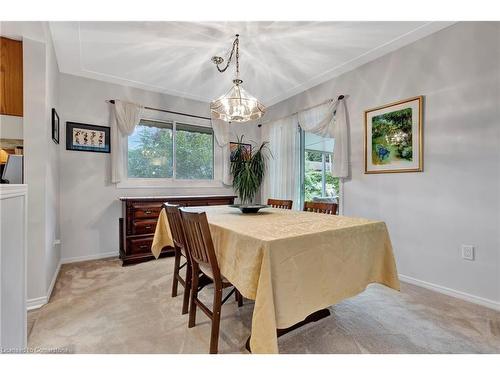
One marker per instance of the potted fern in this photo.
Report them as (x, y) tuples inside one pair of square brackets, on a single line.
[(248, 169)]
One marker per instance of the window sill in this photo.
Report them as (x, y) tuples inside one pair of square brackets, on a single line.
[(168, 183)]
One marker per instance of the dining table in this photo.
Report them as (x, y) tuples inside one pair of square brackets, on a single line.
[(293, 263)]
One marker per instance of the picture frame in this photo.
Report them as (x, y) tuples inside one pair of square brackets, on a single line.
[(393, 137), (55, 126), (85, 137), (233, 146)]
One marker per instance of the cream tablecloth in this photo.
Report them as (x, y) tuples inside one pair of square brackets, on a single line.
[(294, 263)]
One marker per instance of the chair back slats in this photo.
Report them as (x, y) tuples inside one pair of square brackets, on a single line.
[(175, 224), (199, 240), (280, 203), (179, 239), (321, 207)]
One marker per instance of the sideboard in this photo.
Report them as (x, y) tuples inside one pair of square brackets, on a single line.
[(138, 222)]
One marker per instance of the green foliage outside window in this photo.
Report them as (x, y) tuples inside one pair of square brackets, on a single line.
[(150, 151), (194, 155), (314, 156), (313, 186)]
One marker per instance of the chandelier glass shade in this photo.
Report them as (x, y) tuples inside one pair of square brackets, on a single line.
[(236, 104)]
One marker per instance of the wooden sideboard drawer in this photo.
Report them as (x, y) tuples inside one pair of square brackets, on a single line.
[(216, 203), (208, 203), (143, 226), (146, 212), (139, 245), (139, 218), (144, 205), (193, 204)]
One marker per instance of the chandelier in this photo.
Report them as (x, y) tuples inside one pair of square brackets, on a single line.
[(236, 104)]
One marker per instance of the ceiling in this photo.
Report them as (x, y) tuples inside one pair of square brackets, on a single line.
[(277, 59)]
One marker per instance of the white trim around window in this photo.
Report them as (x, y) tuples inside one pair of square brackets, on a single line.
[(157, 183), (340, 199)]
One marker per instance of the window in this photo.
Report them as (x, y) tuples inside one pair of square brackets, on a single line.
[(150, 150), (318, 182), (194, 152), (170, 150)]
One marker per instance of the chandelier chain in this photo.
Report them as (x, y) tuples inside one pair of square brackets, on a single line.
[(237, 40), (236, 104), (234, 48)]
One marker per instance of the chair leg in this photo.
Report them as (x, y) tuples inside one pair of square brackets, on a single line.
[(194, 296), (175, 282), (214, 335), (187, 289), (239, 298)]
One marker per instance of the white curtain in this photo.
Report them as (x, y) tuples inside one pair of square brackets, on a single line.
[(282, 175), (222, 136), (126, 117), (330, 120)]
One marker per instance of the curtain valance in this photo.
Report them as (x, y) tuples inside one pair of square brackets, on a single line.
[(330, 120)]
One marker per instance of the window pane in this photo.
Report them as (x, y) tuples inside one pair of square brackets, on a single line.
[(331, 183), (194, 152), (313, 174), (313, 177), (150, 152)]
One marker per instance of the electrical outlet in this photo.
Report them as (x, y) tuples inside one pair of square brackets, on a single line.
[(468, 252)]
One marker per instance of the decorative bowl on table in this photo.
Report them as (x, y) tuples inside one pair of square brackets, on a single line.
[(249, 208)]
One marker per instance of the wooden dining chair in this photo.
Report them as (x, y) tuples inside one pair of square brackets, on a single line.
[(203, 258), (321, 207), (181, 251), (280, 203)]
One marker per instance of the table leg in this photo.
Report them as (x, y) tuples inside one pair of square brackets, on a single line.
[(314, 317)]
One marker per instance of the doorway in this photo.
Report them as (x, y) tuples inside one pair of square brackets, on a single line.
[(316, 158)]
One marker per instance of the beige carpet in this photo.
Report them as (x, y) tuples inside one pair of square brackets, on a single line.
[(101, 307)]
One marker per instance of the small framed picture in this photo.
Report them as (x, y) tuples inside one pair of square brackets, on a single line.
[(393, 137), (84, 137), (233, 146), (55, 126)]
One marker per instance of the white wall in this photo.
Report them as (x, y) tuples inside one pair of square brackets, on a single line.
[(456, 199), (11, 127), (41, 164), (35, 162), (52, 209), (89, 202)]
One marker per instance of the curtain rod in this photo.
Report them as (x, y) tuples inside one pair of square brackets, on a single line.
[(340, 97), (112, 101)]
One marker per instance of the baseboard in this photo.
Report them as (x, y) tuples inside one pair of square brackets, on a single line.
[(89, 257), (53, 282), (452, 292), (36, 303)]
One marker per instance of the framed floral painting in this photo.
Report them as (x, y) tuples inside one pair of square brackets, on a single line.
[(393, 137), (84, 137)]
